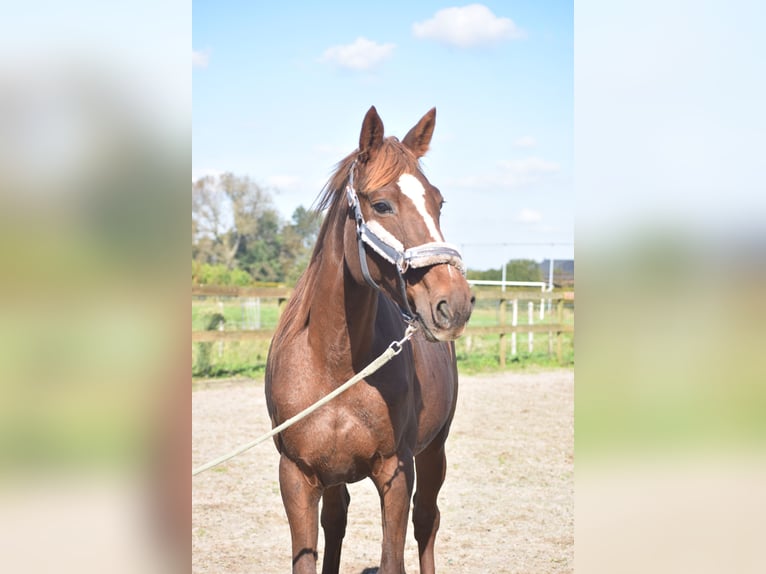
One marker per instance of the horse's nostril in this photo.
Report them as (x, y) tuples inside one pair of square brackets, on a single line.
[(473, 300), (443, 312)]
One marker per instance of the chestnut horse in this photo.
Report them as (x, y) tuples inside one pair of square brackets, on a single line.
[(380, 261)]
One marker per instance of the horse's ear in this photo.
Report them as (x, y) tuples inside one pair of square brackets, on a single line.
[(371, 137), (419, 138)]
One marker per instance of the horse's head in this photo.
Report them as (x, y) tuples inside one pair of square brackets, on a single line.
[(394, 241)]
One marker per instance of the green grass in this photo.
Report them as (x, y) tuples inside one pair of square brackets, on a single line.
[(230, 359), (248, 358), (482, 354), (475, 354)]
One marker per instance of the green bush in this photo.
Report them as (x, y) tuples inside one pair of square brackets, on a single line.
[(207, 274)]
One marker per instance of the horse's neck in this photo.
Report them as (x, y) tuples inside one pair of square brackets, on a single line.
[(342, 316)]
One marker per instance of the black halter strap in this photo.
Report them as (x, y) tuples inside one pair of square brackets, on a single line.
[(404, 308)]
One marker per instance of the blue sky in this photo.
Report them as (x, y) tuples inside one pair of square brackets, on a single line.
[(280, 90)]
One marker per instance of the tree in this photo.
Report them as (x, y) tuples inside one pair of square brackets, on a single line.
[(236, 227), (523, 270), (484, 275), (208, 225), (235, 224), (298, 239), (259, 251), (515, 270)]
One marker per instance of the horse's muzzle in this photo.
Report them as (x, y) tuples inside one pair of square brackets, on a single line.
[(445, 303)]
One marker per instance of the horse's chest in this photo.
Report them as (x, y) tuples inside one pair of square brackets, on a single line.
[(342, 442)]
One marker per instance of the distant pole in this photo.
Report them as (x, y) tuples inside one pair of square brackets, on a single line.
[(550, 281), (550, 275), (514, 322), (530, 320), (503, 287)]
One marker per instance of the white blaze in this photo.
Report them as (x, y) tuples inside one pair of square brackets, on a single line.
[(413, 189)]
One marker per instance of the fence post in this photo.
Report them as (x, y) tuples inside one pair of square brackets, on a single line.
[(514, 322), (550, 333), (531, 321), (220, 327), (560, 320), (248, 313), (502, 335)]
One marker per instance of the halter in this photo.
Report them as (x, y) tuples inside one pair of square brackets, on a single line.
[(425, 255)]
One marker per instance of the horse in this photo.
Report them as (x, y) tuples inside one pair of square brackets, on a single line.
[(380, 263)]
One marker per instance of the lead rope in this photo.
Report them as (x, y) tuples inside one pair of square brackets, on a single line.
[(391, 351)]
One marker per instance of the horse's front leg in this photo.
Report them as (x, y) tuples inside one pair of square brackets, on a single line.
[(300, 496), (394, 478)]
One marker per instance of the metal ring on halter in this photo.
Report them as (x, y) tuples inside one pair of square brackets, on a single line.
[(401, 264)]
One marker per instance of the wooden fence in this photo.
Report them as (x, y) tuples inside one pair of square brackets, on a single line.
[(506, 327)]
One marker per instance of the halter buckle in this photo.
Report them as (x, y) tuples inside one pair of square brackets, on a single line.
[(402, 264)]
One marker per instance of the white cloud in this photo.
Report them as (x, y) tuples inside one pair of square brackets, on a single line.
[(529, 216), (525, 142), (467, 26), (362, 55), (283, 182), (200, 59)]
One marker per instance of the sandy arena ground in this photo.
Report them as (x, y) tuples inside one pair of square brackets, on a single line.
[(507, 504)]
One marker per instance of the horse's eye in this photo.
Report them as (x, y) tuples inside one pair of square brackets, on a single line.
[(382, 207)]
